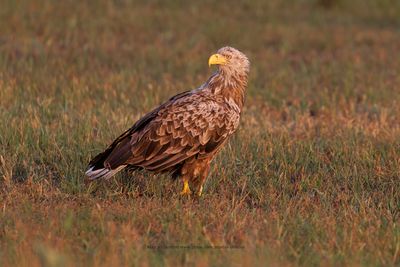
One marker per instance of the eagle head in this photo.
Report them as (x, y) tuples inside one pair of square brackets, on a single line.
[(230, 61)]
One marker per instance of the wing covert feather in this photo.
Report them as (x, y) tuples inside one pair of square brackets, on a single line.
[(190, 126)]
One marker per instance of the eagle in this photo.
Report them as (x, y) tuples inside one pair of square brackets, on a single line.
[(183, 135)]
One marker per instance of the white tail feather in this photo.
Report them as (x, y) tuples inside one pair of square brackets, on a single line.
[(103, 173)]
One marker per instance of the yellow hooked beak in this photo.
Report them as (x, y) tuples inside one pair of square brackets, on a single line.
[(217, 59)]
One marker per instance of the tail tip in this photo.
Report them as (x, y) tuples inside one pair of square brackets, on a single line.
[(95, 174), (101, 173)]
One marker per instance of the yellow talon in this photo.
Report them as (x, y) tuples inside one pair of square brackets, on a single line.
[(186, 188)]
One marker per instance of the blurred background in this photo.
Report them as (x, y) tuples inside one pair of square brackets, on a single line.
[(154, 41)]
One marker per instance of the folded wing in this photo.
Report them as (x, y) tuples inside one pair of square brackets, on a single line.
[(188, 125)]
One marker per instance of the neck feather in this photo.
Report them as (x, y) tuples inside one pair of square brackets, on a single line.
[(229, 85)]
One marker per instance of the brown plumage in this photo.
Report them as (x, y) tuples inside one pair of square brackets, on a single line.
[(182, 135)]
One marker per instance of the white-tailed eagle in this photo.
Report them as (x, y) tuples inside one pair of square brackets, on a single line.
[(183, 135)]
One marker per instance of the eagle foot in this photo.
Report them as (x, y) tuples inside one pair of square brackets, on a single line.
[(186, 189)]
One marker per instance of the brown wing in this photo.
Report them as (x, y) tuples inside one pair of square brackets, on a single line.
[(192, 125), (118, 152)]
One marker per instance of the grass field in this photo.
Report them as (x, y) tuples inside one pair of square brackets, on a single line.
[(311, 178)]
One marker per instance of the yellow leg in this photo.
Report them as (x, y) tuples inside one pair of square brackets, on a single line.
[(200, 190), (186, 188)]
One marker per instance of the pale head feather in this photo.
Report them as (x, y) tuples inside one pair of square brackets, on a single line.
[(237, 62), (232, 75)]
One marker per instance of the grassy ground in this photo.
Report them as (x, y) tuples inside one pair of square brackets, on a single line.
[(312, 177)]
